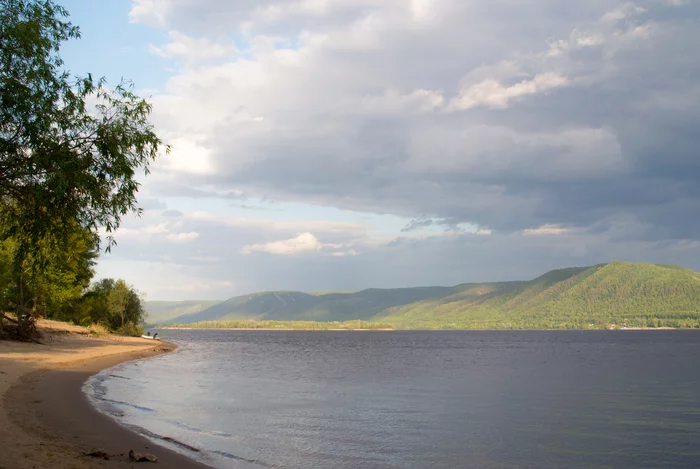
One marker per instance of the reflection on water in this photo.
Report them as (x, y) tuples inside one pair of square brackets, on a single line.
[(622, 399)]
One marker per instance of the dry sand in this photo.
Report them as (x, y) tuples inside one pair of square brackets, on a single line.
[(45, 419)]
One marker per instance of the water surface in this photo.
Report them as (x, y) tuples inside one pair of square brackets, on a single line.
[(252, 399)]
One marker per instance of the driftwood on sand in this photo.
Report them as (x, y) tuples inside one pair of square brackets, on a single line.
[(138, 457)]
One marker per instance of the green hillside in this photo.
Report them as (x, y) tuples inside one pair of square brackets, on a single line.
[(298, 306), (619, 293), (162, 311)]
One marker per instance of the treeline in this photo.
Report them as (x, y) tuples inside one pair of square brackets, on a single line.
[(285, 325), (554, 323), (56, 284)]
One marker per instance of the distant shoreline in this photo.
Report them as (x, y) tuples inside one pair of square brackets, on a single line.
[(424, 330), (264, 329)]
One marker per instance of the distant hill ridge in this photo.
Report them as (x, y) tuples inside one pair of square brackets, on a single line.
[(618, 293), (162, 311)]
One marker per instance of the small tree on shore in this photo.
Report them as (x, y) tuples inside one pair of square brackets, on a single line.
[(117, 301)]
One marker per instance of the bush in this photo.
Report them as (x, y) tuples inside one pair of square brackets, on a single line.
[(131, 330)]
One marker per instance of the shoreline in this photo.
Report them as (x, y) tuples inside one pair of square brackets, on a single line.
[(267, 329), (46, 420), (420, 330)]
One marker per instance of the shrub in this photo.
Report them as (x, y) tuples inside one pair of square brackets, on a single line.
[(131, 330)]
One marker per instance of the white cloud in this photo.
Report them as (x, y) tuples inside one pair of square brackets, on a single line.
[(183, 237), (622, 12), (351, 252), (193, 49), (187, 155), (305, 242), (490, 93), (546, 230)]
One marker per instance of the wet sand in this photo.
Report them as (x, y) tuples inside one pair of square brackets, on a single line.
[(46, 421)]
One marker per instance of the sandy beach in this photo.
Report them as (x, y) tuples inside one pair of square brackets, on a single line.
[(45, 419)]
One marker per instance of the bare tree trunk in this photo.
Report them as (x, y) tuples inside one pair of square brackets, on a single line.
[(20, 308)]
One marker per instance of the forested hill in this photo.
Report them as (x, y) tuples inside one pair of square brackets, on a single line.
[(298, 306), (161, 311), (619, 293)]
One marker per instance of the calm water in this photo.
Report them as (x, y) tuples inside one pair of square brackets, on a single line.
[(618, 399)]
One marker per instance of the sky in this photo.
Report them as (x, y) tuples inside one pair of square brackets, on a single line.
[(325, 145)]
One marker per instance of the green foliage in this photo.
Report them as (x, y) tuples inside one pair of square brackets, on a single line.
[(69, 151), (117, 300), (113, 304), (620, 293), (131, 330), (53, 276), (69, 147)]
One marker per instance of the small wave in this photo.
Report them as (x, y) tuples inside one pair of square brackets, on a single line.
[(117, 376), (238, 458), (214, 433), (194, 449), (169, 439), (108, 408), (133, 406)]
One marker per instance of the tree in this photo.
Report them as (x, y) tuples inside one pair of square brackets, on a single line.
[(114, 304), (69, 146), (117, 301)]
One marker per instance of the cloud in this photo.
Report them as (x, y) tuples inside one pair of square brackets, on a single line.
[(172, 213), (491, 93), (192, 50), (326, 104), (529, 119), (183, 237), (303, 243), (546, 230), (346, 262), (418, 223)]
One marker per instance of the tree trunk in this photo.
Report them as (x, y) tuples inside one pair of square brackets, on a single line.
[(20, 309)]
